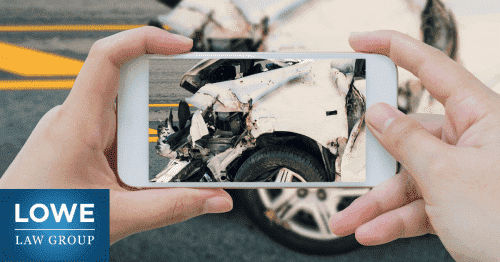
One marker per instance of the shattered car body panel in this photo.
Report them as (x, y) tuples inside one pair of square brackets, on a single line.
[(252, 97), (233, 95), (217, 25), (351, 168), (282, 110), (285, 26)]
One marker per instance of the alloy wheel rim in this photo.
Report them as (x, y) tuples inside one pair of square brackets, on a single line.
[(307, 212)]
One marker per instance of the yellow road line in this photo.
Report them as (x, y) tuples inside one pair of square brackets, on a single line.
[(52, 28), (19, 85), (28, 62), (153, 139), (152, 131)]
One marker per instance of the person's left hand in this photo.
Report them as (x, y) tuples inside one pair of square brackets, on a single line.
[(74, 145)]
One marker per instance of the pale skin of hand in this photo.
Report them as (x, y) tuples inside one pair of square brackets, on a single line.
[(450, 186), (74, 145)]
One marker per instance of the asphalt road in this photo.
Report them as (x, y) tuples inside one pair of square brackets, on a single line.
[(219, 237), (164, 88)]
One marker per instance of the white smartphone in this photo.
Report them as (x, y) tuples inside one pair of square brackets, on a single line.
[(245, 120)]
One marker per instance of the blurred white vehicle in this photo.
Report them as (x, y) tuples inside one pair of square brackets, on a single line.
[(297, 218)]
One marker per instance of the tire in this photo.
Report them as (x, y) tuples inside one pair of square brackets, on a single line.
[(297, 232), (268, 162), (295, 218)]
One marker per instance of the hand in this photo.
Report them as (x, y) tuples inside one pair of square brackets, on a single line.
[(451, 183), (74, 145)]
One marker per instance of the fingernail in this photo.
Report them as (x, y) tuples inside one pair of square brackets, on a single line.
[(381, 115), (218, 205)]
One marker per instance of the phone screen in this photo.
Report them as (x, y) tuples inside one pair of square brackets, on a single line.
[(257, 120)]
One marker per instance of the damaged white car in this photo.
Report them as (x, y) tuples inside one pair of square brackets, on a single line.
[(268, 120)]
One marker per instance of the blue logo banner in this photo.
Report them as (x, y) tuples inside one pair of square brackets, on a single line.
[(54, 224)]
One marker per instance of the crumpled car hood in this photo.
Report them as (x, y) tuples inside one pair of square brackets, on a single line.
[(292, 99), (234, 95)]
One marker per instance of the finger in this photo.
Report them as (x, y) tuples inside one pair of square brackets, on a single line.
[(96, 86), (408, 221), (431, 122), (137, 211), (393, 193), (405, 139), (441, 76)]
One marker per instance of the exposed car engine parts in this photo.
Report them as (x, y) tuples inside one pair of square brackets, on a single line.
[(244, 109), (439, 30)]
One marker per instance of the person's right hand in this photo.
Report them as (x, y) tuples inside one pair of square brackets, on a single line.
[(451, 183)]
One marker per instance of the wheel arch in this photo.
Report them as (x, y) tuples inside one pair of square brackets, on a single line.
[(288, 139)]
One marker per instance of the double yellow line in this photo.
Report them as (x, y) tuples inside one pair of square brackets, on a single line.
[(153, 139), (31, 63)]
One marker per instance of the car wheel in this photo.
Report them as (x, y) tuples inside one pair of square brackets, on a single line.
[(281, 164), (298, 218)]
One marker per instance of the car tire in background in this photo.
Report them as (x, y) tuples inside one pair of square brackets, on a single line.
[(295, 217), (298, 218)]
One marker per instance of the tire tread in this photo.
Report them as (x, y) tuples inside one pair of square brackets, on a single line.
[(289, 155)]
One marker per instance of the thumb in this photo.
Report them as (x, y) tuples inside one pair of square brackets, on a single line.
[(135, 211), (419, 151)]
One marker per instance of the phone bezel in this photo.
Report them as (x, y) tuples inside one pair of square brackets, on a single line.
[(132, 117)]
